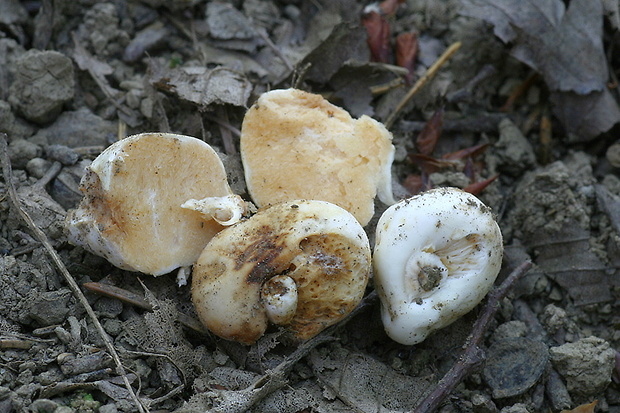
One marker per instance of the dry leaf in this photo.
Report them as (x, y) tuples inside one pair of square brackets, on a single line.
[(407, 51), (202, 86), (584, 408), (378, 30), (566, 47), (428, 137)]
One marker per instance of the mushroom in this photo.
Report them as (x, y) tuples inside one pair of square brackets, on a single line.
[(296, 144), (132, 212), (436, 256), (299, 264)]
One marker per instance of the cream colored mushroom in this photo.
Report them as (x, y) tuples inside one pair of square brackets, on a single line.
[(132, 212), (299, 264), (296, 144), (436, 256)]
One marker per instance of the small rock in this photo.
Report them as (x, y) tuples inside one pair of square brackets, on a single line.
[(21, 151), (514, 150), (586, 365), (50, 307), (511, 329), (557, 392), (43, 83), (516, 408), (482, 403), (514, 365), (62, 154), (37, 167), (613, 155), (71, 364), (12, 126), (75, 129), (13, 12), (43, 405)]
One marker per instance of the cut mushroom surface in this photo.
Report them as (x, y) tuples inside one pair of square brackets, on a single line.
[(436, 256), (296, 144), (300, 264), (131, 212)]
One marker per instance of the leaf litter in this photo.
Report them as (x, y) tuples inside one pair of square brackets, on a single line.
[(194, 67)]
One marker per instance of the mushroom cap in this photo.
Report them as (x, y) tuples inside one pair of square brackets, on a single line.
[(131, 212), (436, 256), (296, 144), (320, 246)]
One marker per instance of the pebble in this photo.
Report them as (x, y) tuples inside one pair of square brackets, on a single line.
[(514, 365), (37, 167), (514, 150), (62, 154), (586, 365), (21, 151), (613, 155)]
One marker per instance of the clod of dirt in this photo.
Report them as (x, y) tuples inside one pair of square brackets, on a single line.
[(132, 212), (586, 365), (43, 83), (514, 365), (297, 145)]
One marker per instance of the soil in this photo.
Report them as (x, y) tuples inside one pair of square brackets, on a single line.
[(76, 76)]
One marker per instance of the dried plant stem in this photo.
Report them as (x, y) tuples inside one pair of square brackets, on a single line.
[(428, 75), (40, 235), (472, 353)]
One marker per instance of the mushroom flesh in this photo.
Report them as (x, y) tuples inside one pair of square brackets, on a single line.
[(132, 212), (299, 264), (436, 256), (296, 144)]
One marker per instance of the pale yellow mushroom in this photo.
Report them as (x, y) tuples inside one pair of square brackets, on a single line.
[(132, 212), (296, 144), (300, 264)]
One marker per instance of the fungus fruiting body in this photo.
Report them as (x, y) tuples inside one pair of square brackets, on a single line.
[(296, 144), (299, 264), (132, 212), (436, 256)]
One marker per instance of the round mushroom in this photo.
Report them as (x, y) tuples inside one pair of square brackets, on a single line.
[(436, 256), (296, 144), (132, 212), (300, 264)]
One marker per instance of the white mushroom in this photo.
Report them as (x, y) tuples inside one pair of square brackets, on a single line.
[(132, 212), (296, 144), (436, 256), (300, 264)]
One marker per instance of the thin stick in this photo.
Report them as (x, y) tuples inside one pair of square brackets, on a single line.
[(40, 235), (428, 75), (472, 353)]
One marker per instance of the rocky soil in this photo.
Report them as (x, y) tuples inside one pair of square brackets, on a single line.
[(537, 86)]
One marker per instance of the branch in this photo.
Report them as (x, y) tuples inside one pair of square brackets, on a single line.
[(40, 235), (472, 353)]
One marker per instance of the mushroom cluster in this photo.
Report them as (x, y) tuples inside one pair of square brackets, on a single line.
[(155, 202)]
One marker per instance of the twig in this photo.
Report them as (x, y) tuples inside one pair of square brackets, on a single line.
[(428, 75), (472, 353), (40, 235)]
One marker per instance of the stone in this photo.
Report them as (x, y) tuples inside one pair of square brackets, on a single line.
[(44, 82)]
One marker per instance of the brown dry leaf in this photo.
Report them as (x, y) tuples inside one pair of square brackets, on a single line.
[(584, 408), (378, 30), (406, 52), (428, 137), (566, 47)]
